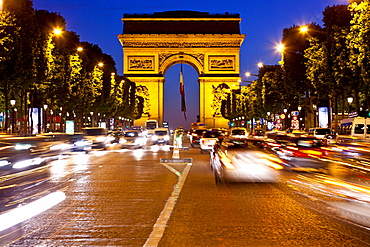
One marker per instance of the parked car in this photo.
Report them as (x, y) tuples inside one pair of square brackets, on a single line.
[(234, 161), (195, 136), (161, 135), (132, 138), (208, 140)]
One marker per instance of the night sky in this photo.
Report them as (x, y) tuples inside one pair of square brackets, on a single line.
[(99, 22)]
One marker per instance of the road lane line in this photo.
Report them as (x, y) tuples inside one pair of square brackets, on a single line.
[(160, 226)]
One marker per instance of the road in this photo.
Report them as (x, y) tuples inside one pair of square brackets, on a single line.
[(122, 197)]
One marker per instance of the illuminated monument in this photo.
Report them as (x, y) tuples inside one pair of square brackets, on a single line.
[(210, 43)]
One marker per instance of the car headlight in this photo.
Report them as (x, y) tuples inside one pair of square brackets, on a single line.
[(22, 146), (30, 162), (166, 137), (154, 138), (139, 141), (4, 162), (100, 139), (80, 143), (59, 146)]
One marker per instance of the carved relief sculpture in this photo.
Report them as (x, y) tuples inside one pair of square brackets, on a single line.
[(141, 63), (221, 63)]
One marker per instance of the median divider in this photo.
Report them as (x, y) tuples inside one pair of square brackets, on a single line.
[(176, 160)]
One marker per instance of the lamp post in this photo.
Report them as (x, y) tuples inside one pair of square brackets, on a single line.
[(12, 103), (349, 100), (92, 120), (286, 119), (300, 117), (314, 114), (45, 118)]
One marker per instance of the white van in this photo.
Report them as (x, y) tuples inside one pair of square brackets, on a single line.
[(355, 127), (161, 135), (320, 133)]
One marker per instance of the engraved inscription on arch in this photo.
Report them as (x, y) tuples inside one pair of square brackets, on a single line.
[(221, 62), (141, 63)]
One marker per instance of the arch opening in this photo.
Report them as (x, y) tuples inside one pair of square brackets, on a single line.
[(172, 97)]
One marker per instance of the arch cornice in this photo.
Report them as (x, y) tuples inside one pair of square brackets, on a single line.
[(181, 40)]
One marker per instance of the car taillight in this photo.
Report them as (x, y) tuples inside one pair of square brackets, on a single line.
[(226, 161)]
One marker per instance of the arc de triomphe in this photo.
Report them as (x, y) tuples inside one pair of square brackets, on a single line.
[(210, 43)]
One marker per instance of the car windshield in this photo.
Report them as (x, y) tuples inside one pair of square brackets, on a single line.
[(235, 144), (238, 132), (77, 137), (131, 134), (94, 132), (199, 132), (323, 131), (161, 132), (210, 134)]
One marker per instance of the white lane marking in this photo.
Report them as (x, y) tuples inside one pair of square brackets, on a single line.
[(160, 225)]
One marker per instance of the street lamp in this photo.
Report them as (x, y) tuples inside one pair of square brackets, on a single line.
[(92, 120), (45, 117), (314, 114), (349, 100), (12, 102), (286, 119)]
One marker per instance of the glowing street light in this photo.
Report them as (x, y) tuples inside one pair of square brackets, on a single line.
[(260, 65), (100, 64), (280, 48), (80, 48), (57, 31), (303, 29)]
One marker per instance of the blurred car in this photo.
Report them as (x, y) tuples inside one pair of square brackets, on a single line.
[(321, 133), (79, 142), (234, 161), (274, 140), (27, 152), (208, 140), (115, 136), (161, 135), (238, 132), (195, 136), (304, 154), (98, 136), (132, 138)]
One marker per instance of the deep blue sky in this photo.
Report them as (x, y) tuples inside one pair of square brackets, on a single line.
[(99, 22)]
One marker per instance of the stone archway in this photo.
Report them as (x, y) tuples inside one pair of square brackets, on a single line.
[(152, 43)]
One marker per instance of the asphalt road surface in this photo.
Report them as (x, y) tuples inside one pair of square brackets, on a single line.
[(125, 197)]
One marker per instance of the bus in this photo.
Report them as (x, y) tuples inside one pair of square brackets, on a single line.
[(197, 125), (355, 127), (150, 125)]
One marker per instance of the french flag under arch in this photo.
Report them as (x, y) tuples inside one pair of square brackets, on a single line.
[(182, 92)]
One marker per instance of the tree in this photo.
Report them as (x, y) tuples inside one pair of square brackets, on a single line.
[(358, 41), (8, 34), (337, 24), (273, 87)]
